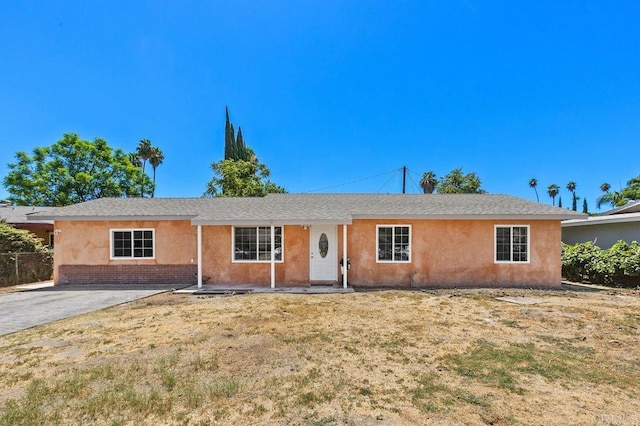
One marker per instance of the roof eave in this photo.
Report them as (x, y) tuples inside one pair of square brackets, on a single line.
[(602, 220), (267, 222), (469, 217), (112, 218)]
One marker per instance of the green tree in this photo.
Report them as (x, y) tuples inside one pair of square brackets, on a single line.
[(229, 139), (143, 152), (242, 152), (71, 171), (585, 207), (533, 183), (134, 159), (574, 203), (14, 240), (234, 146), (632, 191), (239, 178), (156, 158), (571, 187), (428, 182), (614, 199), (560, 202), (553, 190), (240, 174), (456, 182)]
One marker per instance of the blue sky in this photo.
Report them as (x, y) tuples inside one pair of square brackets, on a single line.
[(329, 92)]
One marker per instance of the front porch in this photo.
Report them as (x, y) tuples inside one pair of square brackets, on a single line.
[(254, 288), (278, 255)]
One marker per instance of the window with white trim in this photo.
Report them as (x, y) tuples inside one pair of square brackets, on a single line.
[(512, 243), (132, 243), (393, 243), (253, 244)]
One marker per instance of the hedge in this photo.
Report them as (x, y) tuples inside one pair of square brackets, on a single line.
[(31, 267), (618, 265), (23, 258)]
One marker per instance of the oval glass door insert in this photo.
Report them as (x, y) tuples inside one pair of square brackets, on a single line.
[(323, 245)]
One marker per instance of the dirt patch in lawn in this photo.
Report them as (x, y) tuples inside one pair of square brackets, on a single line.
[(392, 357)]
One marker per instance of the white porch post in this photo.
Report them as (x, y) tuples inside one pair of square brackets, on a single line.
[(199, 256), (345, 263), (273, 256)]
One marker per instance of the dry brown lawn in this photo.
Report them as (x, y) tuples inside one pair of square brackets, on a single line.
[(375, 358)]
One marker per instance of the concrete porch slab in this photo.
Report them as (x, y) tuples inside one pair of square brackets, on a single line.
[(249, 288)]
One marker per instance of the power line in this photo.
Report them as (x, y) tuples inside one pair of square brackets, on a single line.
[(387, 182), (353, 181), (416, 186)]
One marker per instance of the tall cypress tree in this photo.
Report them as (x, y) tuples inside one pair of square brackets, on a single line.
[(240, 174), (241, 148), (229, 139), (585, 208)]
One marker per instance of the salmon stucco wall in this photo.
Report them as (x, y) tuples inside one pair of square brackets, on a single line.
[(455, 253), (88, 243), (444, 253), (217, 261)]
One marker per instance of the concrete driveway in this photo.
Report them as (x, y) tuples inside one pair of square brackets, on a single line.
[(21, 310)]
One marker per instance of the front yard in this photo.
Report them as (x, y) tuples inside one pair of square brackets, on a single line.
[(378, 358)]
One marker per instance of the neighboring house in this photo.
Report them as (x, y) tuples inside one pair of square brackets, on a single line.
[(604, 230), (460, 240), (16, 216)]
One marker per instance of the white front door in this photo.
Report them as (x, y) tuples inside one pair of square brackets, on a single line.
[(323, 265)]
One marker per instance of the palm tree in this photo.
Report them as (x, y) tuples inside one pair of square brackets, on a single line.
[(533, 183), (428, 182), (155, 160), (614, 199), (571, 187), (607, 197), (553, 190), (134, 159), (144, 153)]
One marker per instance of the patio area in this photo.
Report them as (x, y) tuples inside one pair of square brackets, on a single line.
[(253, 288)]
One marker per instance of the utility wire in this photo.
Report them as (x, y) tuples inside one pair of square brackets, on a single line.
[(415, 185), (354, 181), (387, 182)]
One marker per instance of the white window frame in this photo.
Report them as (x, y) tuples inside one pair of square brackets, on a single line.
[(153, 237), (392, 226), (495, 244), (233, 244)]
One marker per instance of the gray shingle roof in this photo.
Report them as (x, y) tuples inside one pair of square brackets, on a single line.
[(18, 214), (630, 207), (311, 208), (147, 208)]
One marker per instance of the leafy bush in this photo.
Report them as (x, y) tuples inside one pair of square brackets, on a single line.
[(618, 265), (630, 264), (578, 260), (20, 247), (14, 240)]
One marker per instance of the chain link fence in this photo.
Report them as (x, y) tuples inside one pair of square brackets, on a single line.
[(21, 268)]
